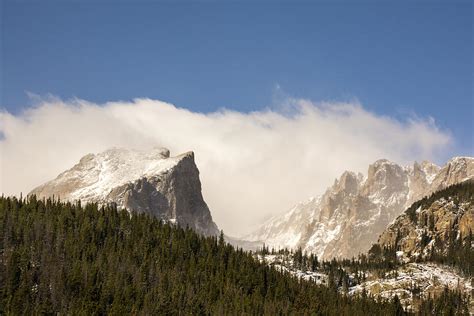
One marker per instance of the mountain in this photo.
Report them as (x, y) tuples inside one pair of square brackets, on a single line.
[(348, 218), (426, 253), (149, 182), (434, 246)]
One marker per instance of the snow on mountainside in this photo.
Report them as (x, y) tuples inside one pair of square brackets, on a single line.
[(348, 218), (410, 281), (143, 181), (414, 281), (427, 249)]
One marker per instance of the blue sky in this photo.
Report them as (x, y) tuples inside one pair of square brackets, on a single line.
[(396, 59)]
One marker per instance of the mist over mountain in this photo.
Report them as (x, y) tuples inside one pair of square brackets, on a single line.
[(252, 164)]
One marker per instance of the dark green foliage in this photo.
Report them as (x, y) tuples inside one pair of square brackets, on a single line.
[(398, 309), (63, 258), (448, 303), (381, 262), (459, 254)]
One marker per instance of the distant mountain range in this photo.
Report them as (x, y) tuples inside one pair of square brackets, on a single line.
[(345, 221), (350, 216), (149, 182)]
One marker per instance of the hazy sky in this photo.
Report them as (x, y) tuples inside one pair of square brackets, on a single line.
[(402, 73)]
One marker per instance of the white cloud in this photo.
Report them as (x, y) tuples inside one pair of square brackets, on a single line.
[(252, 165)]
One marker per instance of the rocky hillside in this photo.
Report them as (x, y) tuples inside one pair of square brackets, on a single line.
[(426, 253), (143, 181), (434, 245), (349, 217), (412, 283), (437, 228)]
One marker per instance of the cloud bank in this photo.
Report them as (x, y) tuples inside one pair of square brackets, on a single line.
[(252, 165)]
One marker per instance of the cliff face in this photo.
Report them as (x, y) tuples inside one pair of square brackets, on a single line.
[(348, 218), (149, 182), (433, 224)]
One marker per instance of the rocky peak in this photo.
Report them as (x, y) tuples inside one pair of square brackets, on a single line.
[(456, 170), (420, 178), (430, 170), (142, 181), (384, 176), (347, 183)]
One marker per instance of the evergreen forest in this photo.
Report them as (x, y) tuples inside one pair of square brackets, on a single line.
[(65, 258)]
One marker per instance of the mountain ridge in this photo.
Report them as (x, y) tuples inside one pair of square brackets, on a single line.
[(348, 218)]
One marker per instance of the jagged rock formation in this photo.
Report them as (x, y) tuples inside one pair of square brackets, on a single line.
[(348, 218), (149, 182), (434, 226)]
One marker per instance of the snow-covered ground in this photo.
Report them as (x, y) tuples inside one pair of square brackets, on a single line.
[(285, 264), (410, 281), (415, 280)]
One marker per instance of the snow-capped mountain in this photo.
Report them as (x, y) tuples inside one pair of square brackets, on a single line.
[(143, 181), (349, 217)]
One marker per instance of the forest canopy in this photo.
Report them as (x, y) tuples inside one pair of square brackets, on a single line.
[(58, 257)]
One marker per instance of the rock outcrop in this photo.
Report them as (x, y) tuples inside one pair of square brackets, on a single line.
[(149, 182), (433, 224)]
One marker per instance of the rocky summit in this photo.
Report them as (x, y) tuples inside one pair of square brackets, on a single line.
[(149, 182), (349, 217)]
